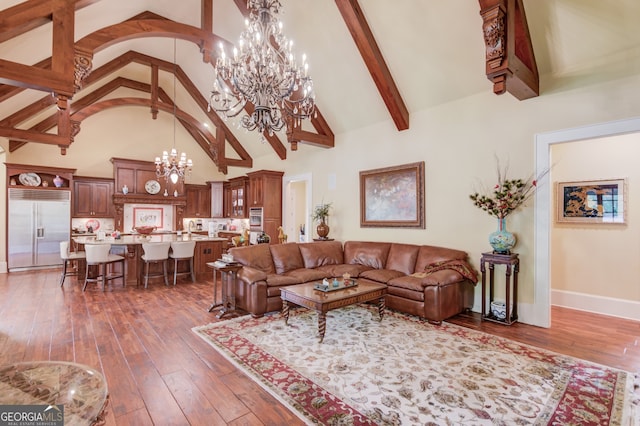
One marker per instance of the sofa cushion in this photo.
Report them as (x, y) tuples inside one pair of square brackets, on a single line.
[(367, 253), (406, 293), (306, 275), (286, 257), (274, 280), (321, 253), (428, 255), (418, 281), (331, 271), (402, 257), (381, 275), (257, 256)]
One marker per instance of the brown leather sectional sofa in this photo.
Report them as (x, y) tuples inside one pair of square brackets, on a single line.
[(434, 283)]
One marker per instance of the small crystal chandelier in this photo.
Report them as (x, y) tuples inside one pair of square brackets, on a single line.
[(170, 166), (264, 73)]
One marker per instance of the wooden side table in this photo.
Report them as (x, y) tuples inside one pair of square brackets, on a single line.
[(228, 276), (511, 262)]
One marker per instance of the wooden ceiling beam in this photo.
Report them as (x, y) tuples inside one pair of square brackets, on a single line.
[(374, 60), (143, 25), (58, 79), (28, 15), (51, 121), (31, 136), (207, 142), (29, 77), (510, 63), (7, 91), (99, 93), (137, 28), (99, 106)]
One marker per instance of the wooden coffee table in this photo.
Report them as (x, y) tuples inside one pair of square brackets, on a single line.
[(307, 296)]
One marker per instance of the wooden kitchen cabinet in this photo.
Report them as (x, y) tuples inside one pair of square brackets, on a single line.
[(235, 197), (265, 190), (92, 197), (206, 251), (198, 201), (217, 198)]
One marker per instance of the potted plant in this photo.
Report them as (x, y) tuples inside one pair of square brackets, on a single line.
[(320, 214)]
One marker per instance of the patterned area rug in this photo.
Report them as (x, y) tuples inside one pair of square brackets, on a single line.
[(403, 371)]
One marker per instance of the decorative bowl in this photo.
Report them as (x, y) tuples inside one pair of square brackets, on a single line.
[(144, 230)]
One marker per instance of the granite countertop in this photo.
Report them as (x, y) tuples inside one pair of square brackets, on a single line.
[(140, 239)]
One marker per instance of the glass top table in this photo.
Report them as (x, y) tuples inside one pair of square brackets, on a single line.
[(80, 389)]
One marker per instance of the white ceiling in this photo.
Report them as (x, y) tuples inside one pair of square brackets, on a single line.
[(434, 49)]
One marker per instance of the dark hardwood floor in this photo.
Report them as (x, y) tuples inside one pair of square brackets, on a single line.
[(159, 372)]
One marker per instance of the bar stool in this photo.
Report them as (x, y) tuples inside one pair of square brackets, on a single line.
[(68, 258), (182, 250), (155, 253), (98, 255)]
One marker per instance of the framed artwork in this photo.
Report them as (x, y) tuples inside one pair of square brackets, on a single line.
[(595, 202), (393, 197), (148, 216)]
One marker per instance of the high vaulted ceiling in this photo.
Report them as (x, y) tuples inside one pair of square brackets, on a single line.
[(434, 52)]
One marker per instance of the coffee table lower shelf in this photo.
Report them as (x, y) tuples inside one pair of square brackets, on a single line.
[(307, 296)]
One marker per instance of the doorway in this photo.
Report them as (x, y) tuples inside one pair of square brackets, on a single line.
[(296, 209), (541, 308)]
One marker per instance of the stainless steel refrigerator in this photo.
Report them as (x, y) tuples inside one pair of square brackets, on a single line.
[(39, 219)]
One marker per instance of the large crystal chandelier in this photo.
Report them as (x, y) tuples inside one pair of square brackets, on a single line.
[(170, 166), (264, 73)]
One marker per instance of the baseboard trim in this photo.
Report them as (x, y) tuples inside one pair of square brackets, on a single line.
[(3, 268), (596, 304)]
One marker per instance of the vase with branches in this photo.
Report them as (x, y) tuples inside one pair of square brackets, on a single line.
[(506, 196), (320, 214)]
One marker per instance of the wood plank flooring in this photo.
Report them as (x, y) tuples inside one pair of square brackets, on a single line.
[(159, 372)]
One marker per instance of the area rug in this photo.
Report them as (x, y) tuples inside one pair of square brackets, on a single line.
[(404, 371)]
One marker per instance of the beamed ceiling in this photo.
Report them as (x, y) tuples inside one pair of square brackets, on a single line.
[(371, 61)]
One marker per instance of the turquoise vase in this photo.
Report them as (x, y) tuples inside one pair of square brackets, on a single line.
[(502, 240)]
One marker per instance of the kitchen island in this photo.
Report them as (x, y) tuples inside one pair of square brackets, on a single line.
[(208, 249)]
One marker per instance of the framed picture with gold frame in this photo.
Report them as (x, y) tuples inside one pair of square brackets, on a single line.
[(591, 202), (393, 196)]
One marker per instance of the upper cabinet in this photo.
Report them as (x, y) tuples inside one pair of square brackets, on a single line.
[(235, 197), (39, 177), (92, 197), (217, 198), (140, 180), (198, 200), (265, 190)]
